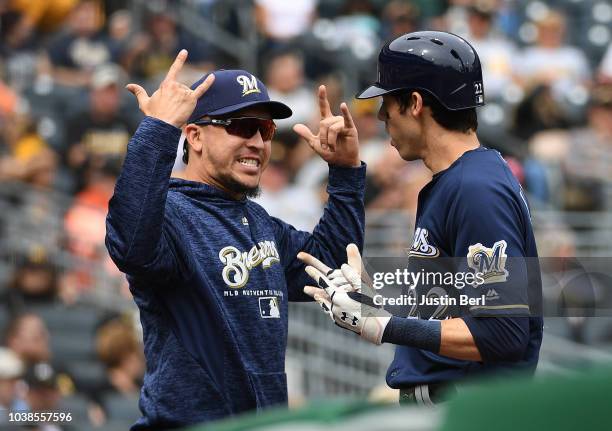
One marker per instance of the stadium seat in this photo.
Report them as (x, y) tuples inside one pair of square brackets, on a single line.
[(78, 406), (73, 320), (87, 374), (121, 407), (71, 346)]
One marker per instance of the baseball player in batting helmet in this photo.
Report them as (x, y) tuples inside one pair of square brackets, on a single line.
[(472, 221)]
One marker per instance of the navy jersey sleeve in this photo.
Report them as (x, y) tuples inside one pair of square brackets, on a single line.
[(488, 222), (342, 223), (135, 230), (499, 339)]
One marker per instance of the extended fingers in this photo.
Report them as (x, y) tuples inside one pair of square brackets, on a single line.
[(324, 107), (322, 281), (179, 61), (139, 92), (204, 86), (309, 259), (346, 114), (306, 134), (317, 294)]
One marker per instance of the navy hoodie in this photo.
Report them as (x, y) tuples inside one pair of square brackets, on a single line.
[(212, 277)]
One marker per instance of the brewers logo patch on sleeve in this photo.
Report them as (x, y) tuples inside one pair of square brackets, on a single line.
[(489, 262)]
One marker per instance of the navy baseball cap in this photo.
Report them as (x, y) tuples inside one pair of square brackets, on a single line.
[(233, 90)]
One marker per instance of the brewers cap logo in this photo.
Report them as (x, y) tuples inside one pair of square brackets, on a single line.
[(249, 84)]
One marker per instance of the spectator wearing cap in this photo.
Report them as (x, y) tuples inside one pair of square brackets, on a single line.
[(34, 283), (99, 134), (44, 394), (76, 52)]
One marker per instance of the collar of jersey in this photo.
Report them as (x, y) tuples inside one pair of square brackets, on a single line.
[(439, 174), (203, 191)]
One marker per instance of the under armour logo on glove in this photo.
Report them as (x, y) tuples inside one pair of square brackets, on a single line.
[(346, 317)]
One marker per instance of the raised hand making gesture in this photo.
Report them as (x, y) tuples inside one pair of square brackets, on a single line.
[(173, 102), (337, 141)]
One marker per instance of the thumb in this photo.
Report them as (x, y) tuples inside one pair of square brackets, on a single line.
[(353, 257), (139, 92), (304, 132)]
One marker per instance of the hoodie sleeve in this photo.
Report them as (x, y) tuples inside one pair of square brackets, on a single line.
[(342, 223), (135, 236)]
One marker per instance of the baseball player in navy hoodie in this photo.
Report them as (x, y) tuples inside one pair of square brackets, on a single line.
[(209, 269)]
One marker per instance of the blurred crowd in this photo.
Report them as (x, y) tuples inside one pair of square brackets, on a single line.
[(69, 332)]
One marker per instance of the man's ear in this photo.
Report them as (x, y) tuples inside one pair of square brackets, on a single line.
[(416, 104), (193, 136)]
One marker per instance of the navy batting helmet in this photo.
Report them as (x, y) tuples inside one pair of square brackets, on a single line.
[(443, 64)]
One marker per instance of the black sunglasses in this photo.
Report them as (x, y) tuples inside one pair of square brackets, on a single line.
[(244, 127)]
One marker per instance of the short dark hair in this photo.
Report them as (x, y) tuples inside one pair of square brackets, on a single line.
[(462, 120)]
